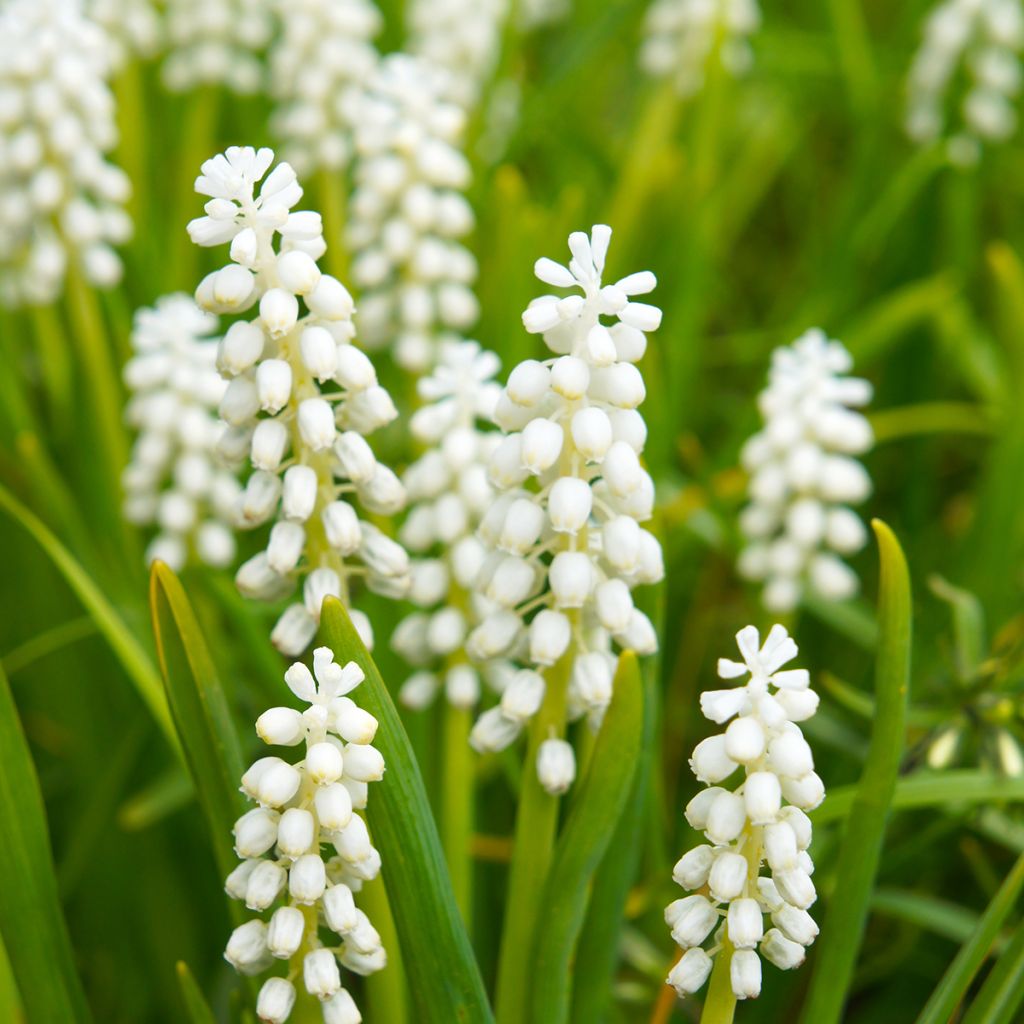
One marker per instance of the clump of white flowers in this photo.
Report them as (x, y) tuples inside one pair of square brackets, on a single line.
[(305, 850), (804, 475), (967, 73), (217, 42), (408, 214), (60, 198), (173, 480), (301, 399), (133, 27), (566, 545), (448, 492), (682, 36), (319, 63), (763, 819), (461, 36)]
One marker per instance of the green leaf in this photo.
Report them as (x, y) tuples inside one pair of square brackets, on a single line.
[(199, 1011), (968, 625), (10, 1001), (31, 923), (442, 973), (133, 657), (200, 710), (583, 841), (862, 840), (948, 994), (1003, 992), (943, 917)]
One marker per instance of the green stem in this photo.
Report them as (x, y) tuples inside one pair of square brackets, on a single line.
[(536, 824), (720, 1005), (331, 188), (54, 365), (131, 146), (457, 816), (385, 991)]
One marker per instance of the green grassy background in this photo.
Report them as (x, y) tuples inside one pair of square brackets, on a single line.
[(787, 199)]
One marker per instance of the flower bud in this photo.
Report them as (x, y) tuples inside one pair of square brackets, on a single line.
[(320, 973), (592, 675), (621, 469), (620, 543), (316, 423), (691, 920), (356, 456), (333, 807), (569, 504), (324, 763), (297, 271), (522, 525), (690, 973), (298, 496), (795, 887), (795, 924), (744, 739), (541, 445), (492, 732), (275, 1001), (265, 882), (354, 371), (570, 378), (279, 311), (240, 348), (726, 818), (280, 727), (806, 792), (285, 546), (341, 1007), (255, 832), (762, 796), (744, 923), (278, 784), (614, 605), (571, 576), (353, 842), (727, 877), (528, 383), (592, 433), (330, 299), (710, 761), (745, 967), (363, 762), (284, 934), (692, 869), (296, 831), (549, 634), (781, 951), (240, 402), (522, 697), (247, 948), (341, 527), (269, 443), (307, 879)]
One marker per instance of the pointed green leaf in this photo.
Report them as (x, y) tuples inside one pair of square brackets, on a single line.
[(31, 922), (199, 1011), (588, 830), (442, 973), (862, 840), (1001, 996), (199, 708)]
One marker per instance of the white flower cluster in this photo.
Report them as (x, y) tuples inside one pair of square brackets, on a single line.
[(681, 36), (461, 36), (217, 42), (763, 819), (60, 198), (320, 61), (133, 27), (449, 493), (307, 445), (566, 545), (172, 479), (408, 214), (305, 851), (984, 39), (803, 475)]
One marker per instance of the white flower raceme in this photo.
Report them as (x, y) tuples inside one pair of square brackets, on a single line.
[(681, 36), (804, 476), (980, 40), (318, 64), (408, 214), (305, 850), (216, 42), (301, 399), (173, 479), (133, 27), (461, 36), (762, 820), (60, 199), (449, 492), (566, 545)]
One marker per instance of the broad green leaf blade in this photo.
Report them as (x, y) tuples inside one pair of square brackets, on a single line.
[(32, 925), (961, 972), (198, 1009), (1003, 992), (588, 830), (200, 710), (442, 973), (133, 657), (865, 831)]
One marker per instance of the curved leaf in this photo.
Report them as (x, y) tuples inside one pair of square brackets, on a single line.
[(198, 1009), (1003, 992), (442, 973)]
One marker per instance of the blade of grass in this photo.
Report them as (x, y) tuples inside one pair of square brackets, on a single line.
[(198, 1009), (200, 710), (588, 831), (442, 973), (1003, 992), (862, 841), (32, 925), (10, 1001), (942, 1003)]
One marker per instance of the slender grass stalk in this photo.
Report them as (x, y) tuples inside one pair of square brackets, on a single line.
[(457, 809), (385, 990), (720, 1005), (536, 825), (1001, 995)]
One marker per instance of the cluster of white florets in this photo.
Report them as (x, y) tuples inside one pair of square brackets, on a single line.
[(60, 199), (217, 42), (804, 475), (565, 543), (681, 36), (763, 819), (305, 850), (133, 27), (173, 480), (461, 36), (318, 66), (983, 40), (300, 400), (408, 214), (449, 492)]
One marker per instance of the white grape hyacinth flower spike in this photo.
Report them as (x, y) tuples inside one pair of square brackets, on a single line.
[(305, 848), (565, 544), (805, 476), (301, 400), (762, 819)]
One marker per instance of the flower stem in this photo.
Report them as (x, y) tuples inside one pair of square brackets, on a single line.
[(54, 365), (457, 810), (720, 1005), (536, 824), (331, 187)]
